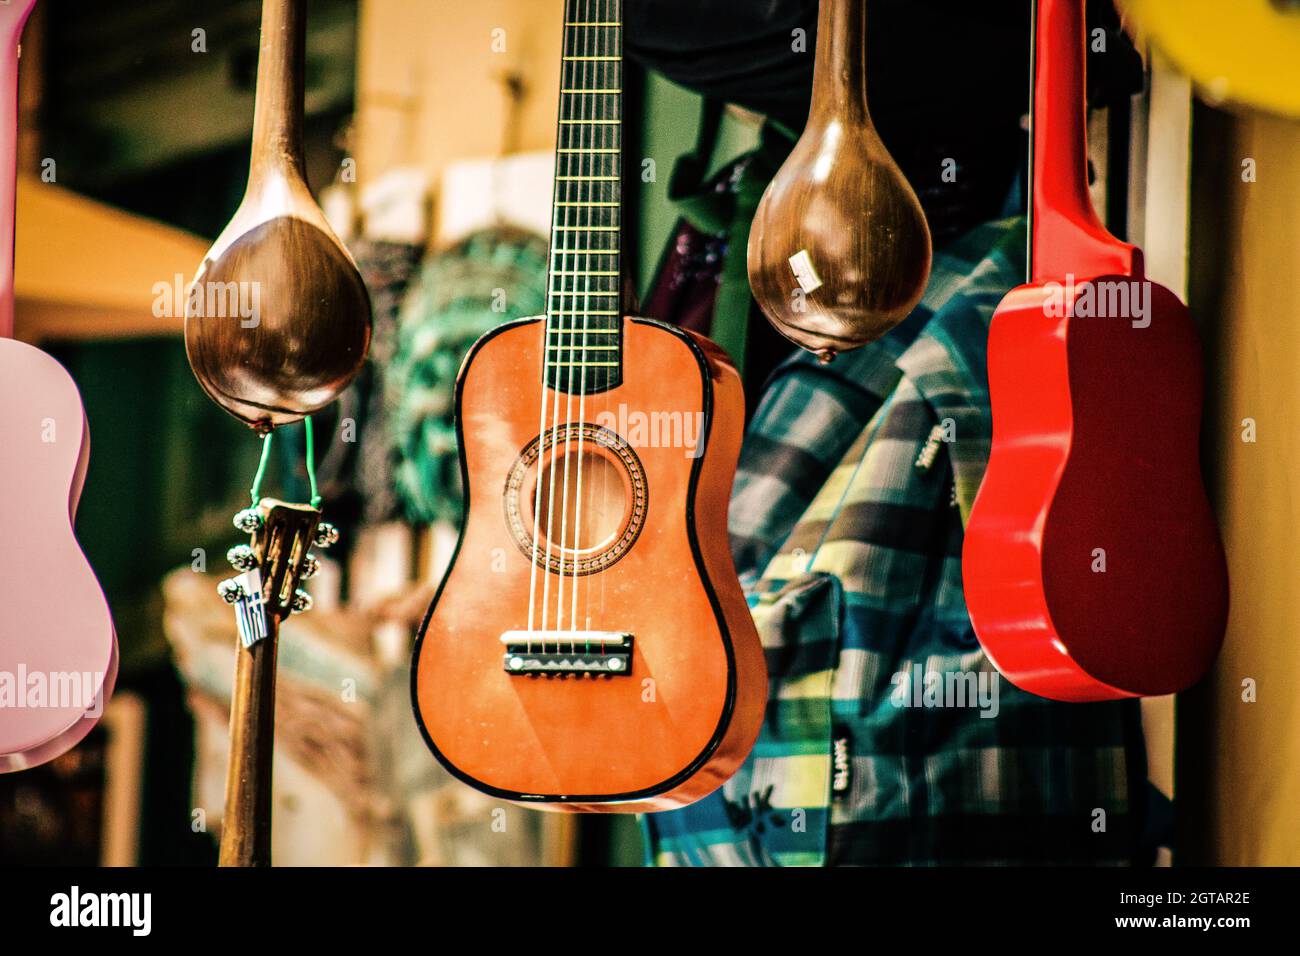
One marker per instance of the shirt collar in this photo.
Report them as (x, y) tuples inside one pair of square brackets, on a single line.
[(948, 361)]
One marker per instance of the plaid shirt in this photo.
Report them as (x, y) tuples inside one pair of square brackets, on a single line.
[(890, 738)]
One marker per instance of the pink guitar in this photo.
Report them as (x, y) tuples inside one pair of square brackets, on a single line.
[(58, 651)]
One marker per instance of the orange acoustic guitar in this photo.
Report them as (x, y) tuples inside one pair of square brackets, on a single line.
[(590, 647)]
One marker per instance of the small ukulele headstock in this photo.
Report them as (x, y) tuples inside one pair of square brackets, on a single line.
[(281, 535)]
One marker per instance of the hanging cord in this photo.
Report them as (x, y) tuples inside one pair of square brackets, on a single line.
[(255, 492), (311, 462)]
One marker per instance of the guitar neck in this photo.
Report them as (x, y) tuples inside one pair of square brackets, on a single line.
[(584, 322), (246, 820), (13, 16), (1066, 236), (279, 550)]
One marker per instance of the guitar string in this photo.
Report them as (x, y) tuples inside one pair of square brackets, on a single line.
[(563, 350), (580, 267), (558, 213), (576, 306), (615, 105), (616, 17), (611, 109), (595, 194)]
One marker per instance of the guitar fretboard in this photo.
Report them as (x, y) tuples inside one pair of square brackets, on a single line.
[(584, 352)]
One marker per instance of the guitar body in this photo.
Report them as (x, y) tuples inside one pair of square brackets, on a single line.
[(58, 651), (55, 630), (1092, 564), (652, 562)]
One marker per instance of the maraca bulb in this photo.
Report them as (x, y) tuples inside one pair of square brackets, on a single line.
[(309, 334), (839, 252)]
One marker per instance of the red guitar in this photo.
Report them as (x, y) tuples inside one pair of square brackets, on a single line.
[(1092, 564), (58, 652)]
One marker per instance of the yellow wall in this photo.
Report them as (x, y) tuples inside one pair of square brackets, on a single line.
[(430, 85), (1239, 763)]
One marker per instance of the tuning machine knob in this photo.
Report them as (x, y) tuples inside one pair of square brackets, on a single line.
[(242, 558), (249, 521), (301, 601), (310, 566), (326, 535), (230, 591)]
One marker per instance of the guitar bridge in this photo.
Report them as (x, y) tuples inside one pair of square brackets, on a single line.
[(534, 653)]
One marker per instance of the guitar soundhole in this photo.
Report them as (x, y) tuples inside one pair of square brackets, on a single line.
[(583, 500), (592, 493)]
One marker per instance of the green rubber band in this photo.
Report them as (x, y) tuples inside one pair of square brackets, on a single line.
[(311, 463), (256, 491)]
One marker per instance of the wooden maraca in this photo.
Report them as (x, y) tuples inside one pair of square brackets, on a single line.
[(277, 322), (839, 252)]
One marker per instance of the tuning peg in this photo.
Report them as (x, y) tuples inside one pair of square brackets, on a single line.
[(230, 590), (310, 566), (249, 520), (326, 534), (301, 601), (242, 557)]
